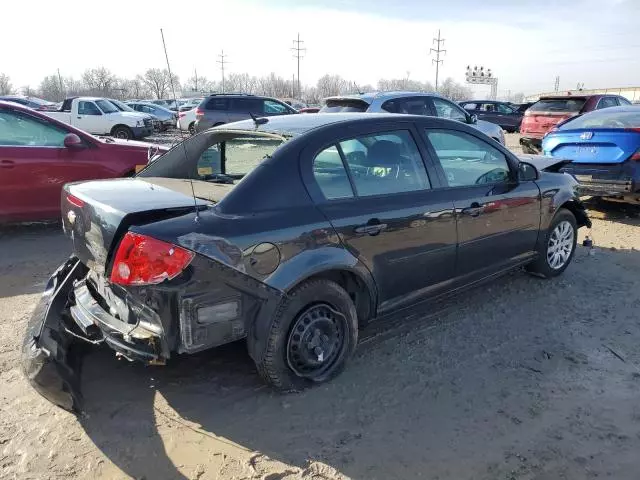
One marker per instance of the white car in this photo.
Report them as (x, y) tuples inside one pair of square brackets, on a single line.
[(101, 117), (187, 121)]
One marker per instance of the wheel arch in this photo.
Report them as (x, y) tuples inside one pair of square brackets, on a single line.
[(120, 125)]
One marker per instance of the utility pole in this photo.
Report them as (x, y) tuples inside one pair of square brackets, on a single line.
[(61, 86), (195, 72), (222, 62), (556, 85), (438, 51), (297, 49)]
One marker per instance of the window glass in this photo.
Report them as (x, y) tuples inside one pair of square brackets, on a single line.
[(241, 155), (147, 109), (446, 109), (503, 108), (488, 107), (274, 108), (344, 105), (467, 160), (558, 105), (217, 103), (88, 108), (385, 163), (623, 101), (414, 106), (106, 106), (23, 130), (469, 106), (604, 119), (606, 102), (331, 175), (391, 106), (247, 105)]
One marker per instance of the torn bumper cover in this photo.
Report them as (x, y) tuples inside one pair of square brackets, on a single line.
[(48, 361)]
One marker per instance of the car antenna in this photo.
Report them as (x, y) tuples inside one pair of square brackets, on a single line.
[(175, 101)]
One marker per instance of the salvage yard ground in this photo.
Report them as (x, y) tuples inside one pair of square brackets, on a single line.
[(518, 379)]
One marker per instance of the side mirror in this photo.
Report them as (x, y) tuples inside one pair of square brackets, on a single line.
[(473, 119), (527, 172), (71, 140)]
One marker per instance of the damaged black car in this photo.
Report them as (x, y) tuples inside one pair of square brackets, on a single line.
[(292, 232)]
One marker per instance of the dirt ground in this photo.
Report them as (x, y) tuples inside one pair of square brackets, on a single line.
[(519, 379)]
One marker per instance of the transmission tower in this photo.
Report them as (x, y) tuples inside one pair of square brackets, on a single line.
[(438, 51), (298, 50), (223, 60)]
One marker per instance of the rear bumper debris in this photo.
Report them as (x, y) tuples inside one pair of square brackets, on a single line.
[(533, 144), (48, 360)]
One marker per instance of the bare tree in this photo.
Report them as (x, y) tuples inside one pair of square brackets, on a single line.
[(200, 85), (329, 85), (516, 97), (405, 84), (50, 88), (159, 82), (27, 91), (454, 90), (135, 88), (5, 85), (99, 81), (241, 82)]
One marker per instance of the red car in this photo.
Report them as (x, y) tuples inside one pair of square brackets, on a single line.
[(38, 155), (547, 112)]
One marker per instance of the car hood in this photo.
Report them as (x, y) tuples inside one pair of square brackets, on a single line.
[(133, 115), (133, 144), (543, 162)]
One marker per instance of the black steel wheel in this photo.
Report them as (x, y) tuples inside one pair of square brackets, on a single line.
[(309, 339)]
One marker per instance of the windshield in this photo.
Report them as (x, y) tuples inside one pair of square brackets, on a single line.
[(106, 106), (604, 118), (345, 105), (558, 105), (215, 156), (121, 106)]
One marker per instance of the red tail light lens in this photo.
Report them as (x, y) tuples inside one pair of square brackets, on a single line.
[(181, 114), (143, 260), (199, 113), (636, 156), (75, 201)]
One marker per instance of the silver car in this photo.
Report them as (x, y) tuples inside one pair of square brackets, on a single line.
[(413, 103)]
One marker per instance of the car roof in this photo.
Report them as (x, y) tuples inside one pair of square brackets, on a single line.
[(294, 124), (621, 109), (485, 101), (371, 96)]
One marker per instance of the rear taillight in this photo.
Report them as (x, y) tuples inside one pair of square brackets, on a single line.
[(637, 130), (181, 114), (75, 201), (636, 157), (143, 260), (199, 113)]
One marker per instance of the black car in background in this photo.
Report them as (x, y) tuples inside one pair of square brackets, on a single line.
[(500, 113), (220, 108), (292, 232)]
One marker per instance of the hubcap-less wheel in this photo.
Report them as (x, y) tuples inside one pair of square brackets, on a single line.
[(123, 134), (560, 245), (316, 340)]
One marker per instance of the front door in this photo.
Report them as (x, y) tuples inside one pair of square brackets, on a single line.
[(387, 214), (498, 217), (89, 118)]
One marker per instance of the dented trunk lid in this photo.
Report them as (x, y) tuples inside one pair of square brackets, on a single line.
[(96, 214)]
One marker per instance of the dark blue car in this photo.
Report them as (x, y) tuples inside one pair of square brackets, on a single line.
[(604, 149)]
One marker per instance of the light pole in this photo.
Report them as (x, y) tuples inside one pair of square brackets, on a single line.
[(482, 76)]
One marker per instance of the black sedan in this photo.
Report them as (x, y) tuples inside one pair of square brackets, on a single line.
[(292, 232)]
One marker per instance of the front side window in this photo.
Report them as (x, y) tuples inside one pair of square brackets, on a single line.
[(247, 105), (385, 163), (606, 102), (469, 106), (502, 108), (446, 109), (467, 160), (623, 101), (88, 108), (18, 129), (274, 108)]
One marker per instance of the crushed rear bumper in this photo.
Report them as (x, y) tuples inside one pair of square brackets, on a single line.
[(48, 360), (531, 144)]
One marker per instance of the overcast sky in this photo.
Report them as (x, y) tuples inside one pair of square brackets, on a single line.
[(525, 42)]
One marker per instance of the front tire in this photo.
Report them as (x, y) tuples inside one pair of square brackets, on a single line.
[(122, 132), (556, 252), (313, 334)]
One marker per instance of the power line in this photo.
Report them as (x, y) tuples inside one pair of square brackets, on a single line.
[(438, 51), (297, 49), (222, 63)]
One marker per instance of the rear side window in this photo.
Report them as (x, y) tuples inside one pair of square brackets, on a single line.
[(623, 101), (216, 103), (248, 105), (345, 105), (558, 105), (467, 160), (446, 109), (470, 106), (329, 172), (606, 102)]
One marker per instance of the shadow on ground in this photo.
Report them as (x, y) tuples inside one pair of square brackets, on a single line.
[(487, 387)]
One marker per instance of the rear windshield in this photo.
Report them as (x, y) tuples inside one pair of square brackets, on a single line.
[(559, 105), (604, 118), (215, 156), (345, 105)]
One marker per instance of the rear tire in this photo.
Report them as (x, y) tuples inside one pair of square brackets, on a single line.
[(122, 132), (313, 334), (559, 246), (192, 128)]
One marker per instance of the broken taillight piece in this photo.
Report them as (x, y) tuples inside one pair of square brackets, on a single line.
[(143, 260)]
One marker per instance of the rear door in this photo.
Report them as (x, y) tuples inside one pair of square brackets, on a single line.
[(378, 195), (34, 164), (498, 217), (243, 107)]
